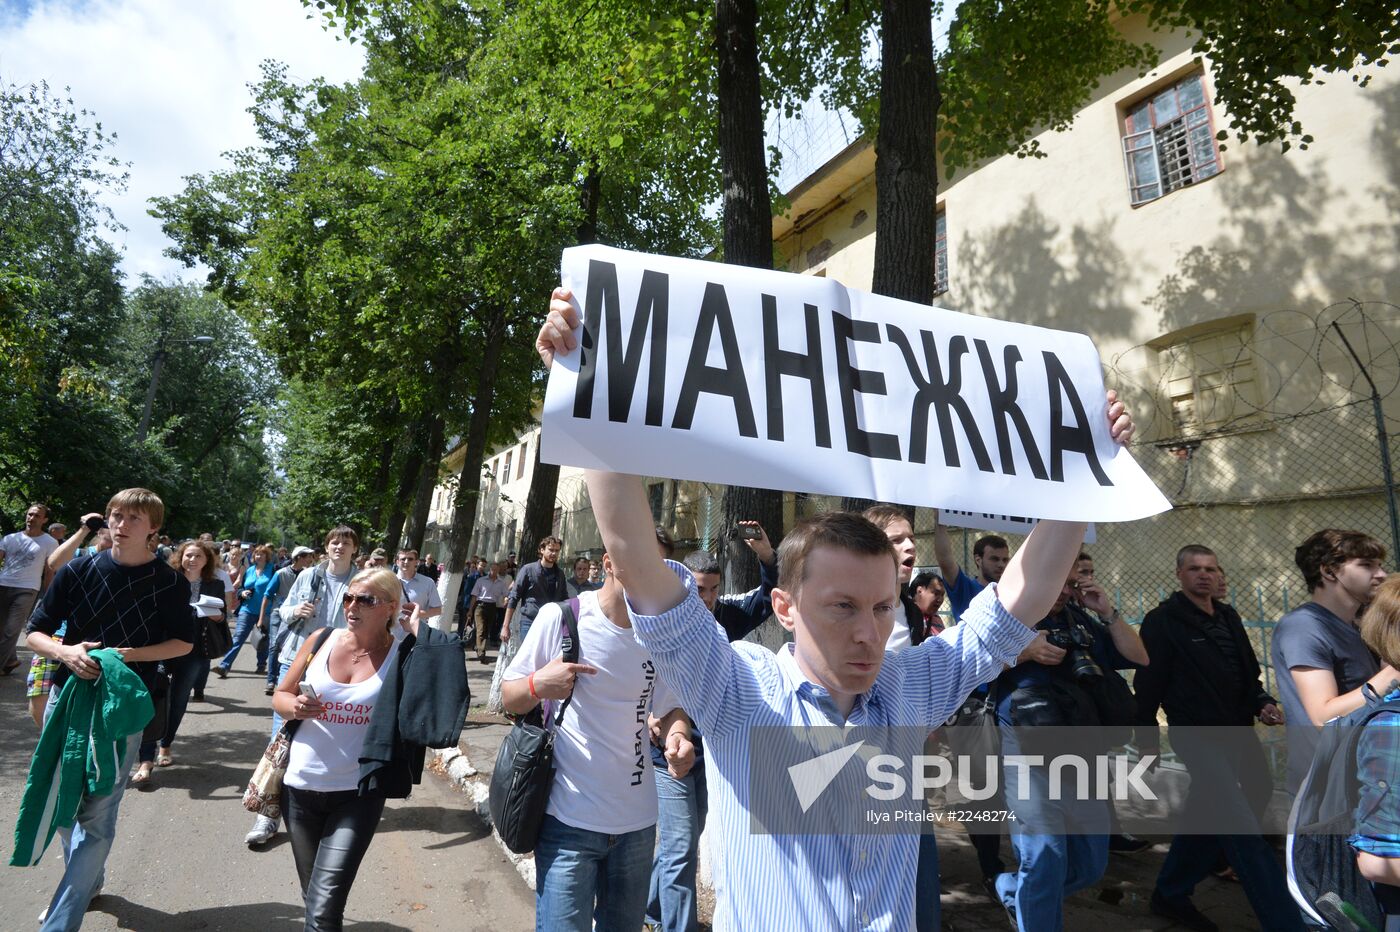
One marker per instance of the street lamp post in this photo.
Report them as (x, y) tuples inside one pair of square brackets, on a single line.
[(157, 361)]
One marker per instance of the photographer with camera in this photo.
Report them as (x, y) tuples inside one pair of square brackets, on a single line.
[(1204, 672), (1066, 676)]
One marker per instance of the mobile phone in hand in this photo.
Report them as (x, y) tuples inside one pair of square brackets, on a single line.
[(309, 691), (749, 532)]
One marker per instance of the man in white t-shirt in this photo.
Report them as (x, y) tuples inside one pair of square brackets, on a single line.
[(419, 589), (25, 553), (594, 855)]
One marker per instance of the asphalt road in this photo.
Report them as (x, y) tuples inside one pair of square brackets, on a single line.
[(180, 863)]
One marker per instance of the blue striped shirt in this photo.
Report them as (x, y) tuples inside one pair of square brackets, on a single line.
[(814, 882)]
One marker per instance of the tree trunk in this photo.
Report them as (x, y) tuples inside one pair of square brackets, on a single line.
[(416, 442), (747, 221), (544, 478), (539, 507), (906, 168), (468, 496), (747, 209), (427, 482), (380, 490)]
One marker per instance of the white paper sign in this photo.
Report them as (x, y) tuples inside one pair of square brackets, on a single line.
[(720, 373), (1001, 524)]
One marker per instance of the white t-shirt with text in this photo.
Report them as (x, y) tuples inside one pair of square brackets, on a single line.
[(603, 780)]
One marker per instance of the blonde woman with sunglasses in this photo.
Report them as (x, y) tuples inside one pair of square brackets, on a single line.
[(331, 824)]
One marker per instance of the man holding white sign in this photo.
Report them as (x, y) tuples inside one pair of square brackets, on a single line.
[(838, 583)]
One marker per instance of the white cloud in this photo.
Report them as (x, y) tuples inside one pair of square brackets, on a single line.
[(170, 79)]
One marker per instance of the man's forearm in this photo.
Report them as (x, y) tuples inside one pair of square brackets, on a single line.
[(430, 612), (1035, 576), (63, 554), (1127, 641), (629, 537), (943, 553), (43, 644), (516, 698), (165, 650)]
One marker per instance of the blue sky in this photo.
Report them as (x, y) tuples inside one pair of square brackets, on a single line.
[(169, 78)]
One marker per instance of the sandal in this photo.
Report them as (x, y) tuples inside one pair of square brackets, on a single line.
[(142, 774), (163, 758)]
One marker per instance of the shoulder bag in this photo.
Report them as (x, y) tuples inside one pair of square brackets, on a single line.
[(524, 771), (264, 793)]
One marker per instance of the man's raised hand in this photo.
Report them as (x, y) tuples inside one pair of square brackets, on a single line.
[(557, 334)]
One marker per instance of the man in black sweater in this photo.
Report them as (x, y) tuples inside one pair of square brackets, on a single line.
[(1204, 673)]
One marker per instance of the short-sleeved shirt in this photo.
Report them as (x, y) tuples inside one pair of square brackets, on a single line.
[(116, 605), (603, 781), (24, 559), (259, 583), (421, 591), (1311, 636), (961, 593), (536, 586), (491, 590)]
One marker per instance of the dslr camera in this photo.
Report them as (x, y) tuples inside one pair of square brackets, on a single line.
[(1075, 640)]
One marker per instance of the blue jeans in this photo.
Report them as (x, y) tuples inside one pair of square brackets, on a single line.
[(184, 674), (281, 669), (928, 907), (201, 676), (86, 844), (241, 632), (681, 807), (583, 877), (276, 636), (1238, 770), (1053, 865)]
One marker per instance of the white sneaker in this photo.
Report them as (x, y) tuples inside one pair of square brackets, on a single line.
[(263, 830)]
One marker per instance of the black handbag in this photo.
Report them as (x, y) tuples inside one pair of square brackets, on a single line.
[(217, 638), (524, 771)]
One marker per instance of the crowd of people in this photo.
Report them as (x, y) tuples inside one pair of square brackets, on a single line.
[(654, 688), (127, 624)]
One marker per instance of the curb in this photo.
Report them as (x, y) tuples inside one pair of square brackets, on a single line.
[(454, 765)]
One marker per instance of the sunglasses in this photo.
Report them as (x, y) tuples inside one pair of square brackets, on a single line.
[(369, 601)]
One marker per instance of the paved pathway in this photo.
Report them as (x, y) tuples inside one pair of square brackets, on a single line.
[(180, 862)]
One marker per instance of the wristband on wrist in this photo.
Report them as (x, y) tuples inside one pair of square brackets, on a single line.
[(530, 682)]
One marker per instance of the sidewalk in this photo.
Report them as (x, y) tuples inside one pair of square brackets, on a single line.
[(1118, 903)]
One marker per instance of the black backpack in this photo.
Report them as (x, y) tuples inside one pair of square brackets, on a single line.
[(524, 771), (1322, 874)]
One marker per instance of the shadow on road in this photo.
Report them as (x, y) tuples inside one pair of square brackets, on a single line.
[(265, 917)]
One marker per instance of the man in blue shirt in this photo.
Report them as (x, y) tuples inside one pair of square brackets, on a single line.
[(991, 554), (838, 594)]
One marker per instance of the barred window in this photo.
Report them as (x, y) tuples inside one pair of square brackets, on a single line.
[(1169, 140), (940, 253), (505, 472), (1209, 376)]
